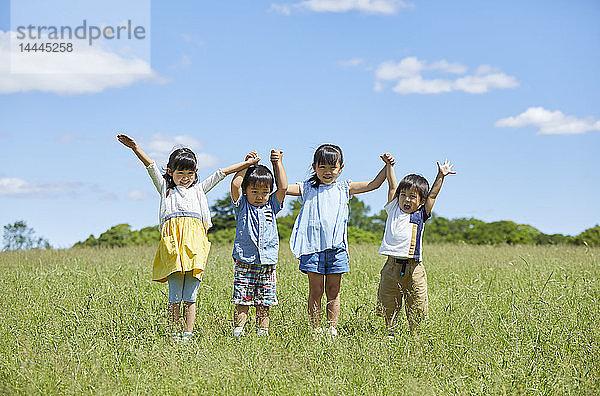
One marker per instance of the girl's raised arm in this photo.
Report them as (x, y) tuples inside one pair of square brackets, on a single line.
[(293, 189), (129, 142), (366, 186)]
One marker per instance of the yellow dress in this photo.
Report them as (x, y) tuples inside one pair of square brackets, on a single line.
[(183, 247)]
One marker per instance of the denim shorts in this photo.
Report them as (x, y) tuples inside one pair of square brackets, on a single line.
[(329, 261), (183, 287)]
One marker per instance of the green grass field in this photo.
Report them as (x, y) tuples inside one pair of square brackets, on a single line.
[(511, 320)]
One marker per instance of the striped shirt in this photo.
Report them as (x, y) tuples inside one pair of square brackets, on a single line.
[(403, 235)]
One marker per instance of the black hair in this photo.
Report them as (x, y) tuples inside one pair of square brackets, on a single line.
[(417, 182), (258, 174), (181, 159), (328, 154)]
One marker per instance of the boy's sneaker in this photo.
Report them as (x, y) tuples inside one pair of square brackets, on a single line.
[(332, 331), (186, 336), (262, 332), (175, 337), (238, 332)]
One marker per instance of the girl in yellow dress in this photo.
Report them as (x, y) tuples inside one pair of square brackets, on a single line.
[(184, 221)]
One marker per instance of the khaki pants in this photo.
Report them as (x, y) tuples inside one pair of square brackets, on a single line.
[(393, 287)]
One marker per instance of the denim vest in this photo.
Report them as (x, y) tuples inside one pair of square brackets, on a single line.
[(256, 237)]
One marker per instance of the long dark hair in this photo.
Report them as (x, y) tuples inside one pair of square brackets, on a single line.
[(181, 159), (328, 154), (258, 174)]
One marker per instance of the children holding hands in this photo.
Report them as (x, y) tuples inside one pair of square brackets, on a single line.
[(256, 244), (318, 239), (184, 220), (403, 276)]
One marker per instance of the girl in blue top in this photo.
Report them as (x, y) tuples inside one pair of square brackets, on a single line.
[(256, 240), (319, 237)]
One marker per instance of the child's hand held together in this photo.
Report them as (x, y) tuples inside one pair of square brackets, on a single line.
[(388, 159), (276, 156)]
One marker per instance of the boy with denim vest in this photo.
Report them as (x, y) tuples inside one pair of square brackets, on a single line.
[(256, 242), (403, 276)]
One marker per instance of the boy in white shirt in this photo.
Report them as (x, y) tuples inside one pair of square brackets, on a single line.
[(403, 275)]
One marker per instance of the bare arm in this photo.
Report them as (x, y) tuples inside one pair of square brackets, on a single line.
[(443, 171), (390, 175), (280, 176), (293, 189), (238, 178), (129, 142), (366, 186), (240, 166)]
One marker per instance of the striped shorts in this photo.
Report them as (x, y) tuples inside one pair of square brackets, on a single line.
[(254, 284)]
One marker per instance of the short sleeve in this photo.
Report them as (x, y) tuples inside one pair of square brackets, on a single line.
[(156, 176), (346, 187), (424, 214), (301, 186), (274, 202), (390, 206), (238, 205)]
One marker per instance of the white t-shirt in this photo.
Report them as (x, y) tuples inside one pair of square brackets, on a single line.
[(403, 235)]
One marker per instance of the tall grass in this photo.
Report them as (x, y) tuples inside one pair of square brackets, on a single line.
[(502, 320)]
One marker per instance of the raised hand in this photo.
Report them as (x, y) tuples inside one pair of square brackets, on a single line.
[(388, 159), (252, 158), (276, 156), (446, 168), (126, 140)]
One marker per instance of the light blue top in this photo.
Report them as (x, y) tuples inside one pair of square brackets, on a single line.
[(256, 237), (321, 223)]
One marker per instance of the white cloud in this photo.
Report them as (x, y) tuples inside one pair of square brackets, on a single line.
[(407, 77), (550, 122), (137, 195), (384, 7), (354, 62), (12, 186), (87, 70), (160, 146)]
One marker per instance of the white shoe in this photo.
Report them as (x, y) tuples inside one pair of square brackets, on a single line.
[(238, 332), (186, 336), (332, 331), (262, 332)]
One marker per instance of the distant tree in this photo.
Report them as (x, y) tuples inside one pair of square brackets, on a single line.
[(222, 212), (501, 232), (285, 224), (116, 236), (591, 237), (358, 216), (553, 239), (18, 236)]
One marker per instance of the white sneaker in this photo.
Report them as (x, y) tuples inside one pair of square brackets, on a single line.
[(186, 336), (332, 331), (238, 332), (262, 332)]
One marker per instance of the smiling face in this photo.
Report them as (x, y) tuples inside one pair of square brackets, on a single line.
[(326, 173), (258, 194), (183, 178), (409, 200)]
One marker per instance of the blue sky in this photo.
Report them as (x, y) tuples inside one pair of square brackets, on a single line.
[(509, 92)]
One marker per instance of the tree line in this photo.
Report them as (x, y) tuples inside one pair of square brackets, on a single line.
[(362, 228)]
